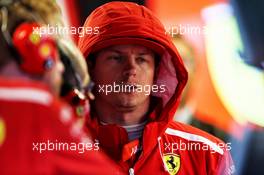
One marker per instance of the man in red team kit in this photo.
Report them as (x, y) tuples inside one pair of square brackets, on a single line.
[(38, 134), (139, 77)]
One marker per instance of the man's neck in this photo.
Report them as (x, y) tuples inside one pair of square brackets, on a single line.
[(12, 70), (110, 114)]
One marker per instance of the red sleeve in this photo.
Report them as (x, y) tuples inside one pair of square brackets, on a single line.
[(68, 149), (32, 125)]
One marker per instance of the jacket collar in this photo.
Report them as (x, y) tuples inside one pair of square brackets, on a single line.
[(113, 139)]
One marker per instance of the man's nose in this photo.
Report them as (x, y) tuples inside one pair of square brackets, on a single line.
[(130, 68)]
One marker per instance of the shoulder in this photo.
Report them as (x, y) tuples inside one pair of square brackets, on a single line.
[(16, 90), (188, 134), (33, 100), (197, 147), (31, 97), (177, 127)]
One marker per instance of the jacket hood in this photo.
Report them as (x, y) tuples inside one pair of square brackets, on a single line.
[(130, 23)]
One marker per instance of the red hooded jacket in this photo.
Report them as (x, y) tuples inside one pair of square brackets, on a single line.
[(168, 147)]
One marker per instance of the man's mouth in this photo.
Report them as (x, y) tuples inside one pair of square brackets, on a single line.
[(131, 87)]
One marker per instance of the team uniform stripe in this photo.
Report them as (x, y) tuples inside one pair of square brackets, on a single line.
[(195, 138), (26, 95)]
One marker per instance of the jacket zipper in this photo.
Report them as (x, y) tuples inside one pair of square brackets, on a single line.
[(131, 171)]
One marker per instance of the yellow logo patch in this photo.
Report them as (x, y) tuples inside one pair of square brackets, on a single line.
[(34, 38), (45, 50), (2, 131), (172, 163)]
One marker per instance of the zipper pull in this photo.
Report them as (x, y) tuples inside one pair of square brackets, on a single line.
[(131, 171)]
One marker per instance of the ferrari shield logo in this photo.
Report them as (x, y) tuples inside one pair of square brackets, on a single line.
[(172, 163)]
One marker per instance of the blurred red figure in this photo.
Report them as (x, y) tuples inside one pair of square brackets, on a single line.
[(38, 132), (135, 127)]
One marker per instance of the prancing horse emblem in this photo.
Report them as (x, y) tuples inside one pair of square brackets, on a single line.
[(172, 163)]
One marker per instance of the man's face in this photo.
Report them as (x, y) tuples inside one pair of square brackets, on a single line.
[(123, 65)]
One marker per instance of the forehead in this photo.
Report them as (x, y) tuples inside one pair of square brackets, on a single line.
[(128, 49)]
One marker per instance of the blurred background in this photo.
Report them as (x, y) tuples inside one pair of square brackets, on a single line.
[(222, 45)]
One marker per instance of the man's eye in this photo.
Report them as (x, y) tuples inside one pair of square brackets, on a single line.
[(115, 58), (141, 60)]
